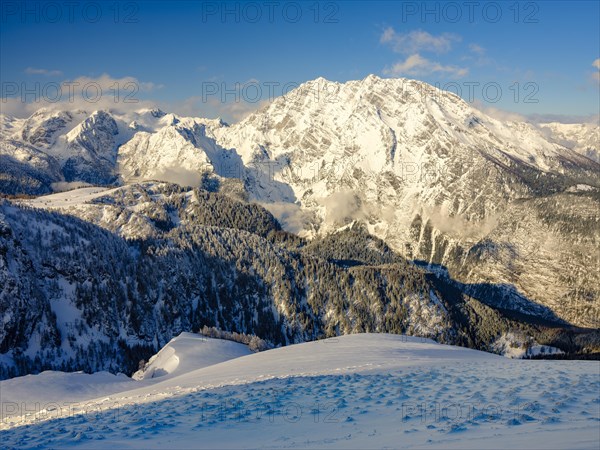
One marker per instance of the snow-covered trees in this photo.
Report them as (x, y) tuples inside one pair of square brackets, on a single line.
[(153, 260), (255, 343)]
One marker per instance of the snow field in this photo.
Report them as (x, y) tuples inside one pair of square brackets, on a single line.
[(358, 391)]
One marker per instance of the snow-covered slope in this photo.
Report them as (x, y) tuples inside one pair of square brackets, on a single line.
[(25, 169), (326, 136), (183, 354), (356, 391), (73, 197), (58, 388), (44, 127), (188, 352), (584, 138), (180, 151)]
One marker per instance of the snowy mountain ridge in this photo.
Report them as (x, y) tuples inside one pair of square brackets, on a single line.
[(584, 138), (441, 182)]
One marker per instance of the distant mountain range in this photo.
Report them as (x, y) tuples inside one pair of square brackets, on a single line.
[(360, 175)]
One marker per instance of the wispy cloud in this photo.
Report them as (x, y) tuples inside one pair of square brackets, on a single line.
[(477, 55), (231, 103), (418, 41), (418, 65), (108, 83), (45, 72), (596, 75), (497, 113), (85, 93), (413, 44), (236, 111), (533, 118), (563, 118), (477, 49)]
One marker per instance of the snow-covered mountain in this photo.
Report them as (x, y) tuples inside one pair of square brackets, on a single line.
[(584, 138), (494, 202), (106, 148), (180, 150), (502, 207)]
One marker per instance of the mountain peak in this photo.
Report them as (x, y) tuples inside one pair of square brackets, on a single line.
[(320, 80), (154, 112), (371, 78), (157, 112)]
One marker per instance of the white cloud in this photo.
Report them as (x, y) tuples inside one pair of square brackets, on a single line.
[(562, 118), (231, 112), (178, 175), (596, 75), (85, 93), (236, 110), (185, 108), (498, 114), (418, 41), (477, 55), (241, 100), (418, 65), (46, 72), (534, 118), (291, 216), (477, 49), (413, 44), (123, 95), (457, 226), (109, 83), (342, 207)]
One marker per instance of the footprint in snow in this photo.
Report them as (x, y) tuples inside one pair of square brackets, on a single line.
[(513, 422), (457, 428), (550, 420)]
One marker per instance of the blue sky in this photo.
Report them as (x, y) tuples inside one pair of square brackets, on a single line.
[(175, 51)]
